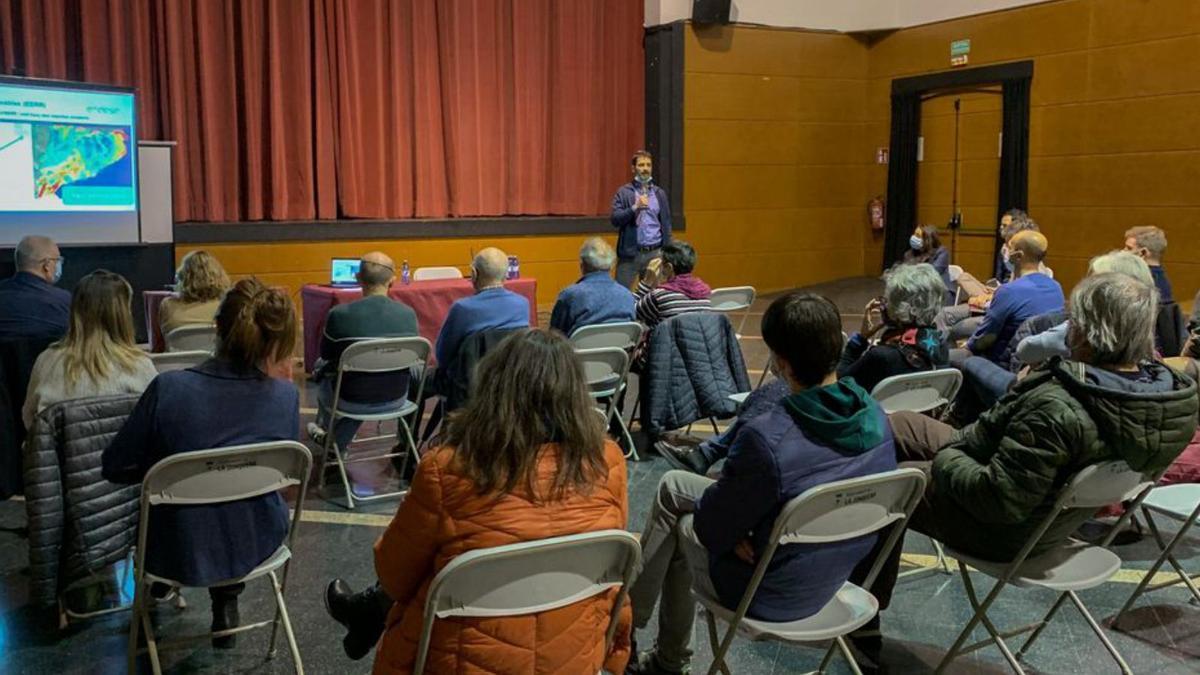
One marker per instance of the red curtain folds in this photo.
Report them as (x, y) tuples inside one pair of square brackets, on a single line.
[(323, 109)]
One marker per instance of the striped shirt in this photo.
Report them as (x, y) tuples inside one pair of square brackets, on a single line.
[(655, 305)]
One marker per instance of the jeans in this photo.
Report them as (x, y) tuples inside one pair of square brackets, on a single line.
[(345, 428), (629, 269), (957, 321), (673, 560)]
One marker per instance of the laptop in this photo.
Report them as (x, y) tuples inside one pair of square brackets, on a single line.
[(344, 271)]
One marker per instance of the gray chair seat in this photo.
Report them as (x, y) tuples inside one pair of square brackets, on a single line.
[(1075, 566), (850, 609)]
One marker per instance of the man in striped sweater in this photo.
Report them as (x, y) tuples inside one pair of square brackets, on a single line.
[(669, 289)]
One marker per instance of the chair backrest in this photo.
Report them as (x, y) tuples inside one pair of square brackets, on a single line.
[(917, 392), (223, 475), (388, 359), (430, 273), (732, 298), (167, 361), (841, 510), (955, 271), (623, 335), (199, 337), (1102, 484), (605, 369), (531, 577)]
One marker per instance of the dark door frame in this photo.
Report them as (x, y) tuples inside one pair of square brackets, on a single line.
[(907, 93)]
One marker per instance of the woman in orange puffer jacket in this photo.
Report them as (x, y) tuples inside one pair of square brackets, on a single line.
[(525, 459)]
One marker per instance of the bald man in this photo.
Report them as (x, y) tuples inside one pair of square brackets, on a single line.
[(374, 316), (31, 306), (493, 307), (1029, 294)]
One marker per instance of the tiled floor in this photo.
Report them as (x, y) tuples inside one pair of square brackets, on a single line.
[(1164, 633)]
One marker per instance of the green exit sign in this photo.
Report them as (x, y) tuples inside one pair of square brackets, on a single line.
[(960, 48)]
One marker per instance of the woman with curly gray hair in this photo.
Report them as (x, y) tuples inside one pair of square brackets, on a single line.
[(905, 316)]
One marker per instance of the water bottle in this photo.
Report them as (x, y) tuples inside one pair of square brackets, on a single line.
[(516, 267), (405, 276), (512, 265)]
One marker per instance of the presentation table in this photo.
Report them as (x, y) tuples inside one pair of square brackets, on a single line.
[(431, 301)]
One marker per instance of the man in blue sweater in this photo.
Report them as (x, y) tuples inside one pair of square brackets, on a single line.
[(595, 298), (1029, 294), (492, 307), (710, 533)]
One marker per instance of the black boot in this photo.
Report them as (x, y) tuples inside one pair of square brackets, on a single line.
[(225, 614), (364, 615)]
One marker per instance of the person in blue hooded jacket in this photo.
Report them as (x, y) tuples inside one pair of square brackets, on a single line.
[(711, 533)]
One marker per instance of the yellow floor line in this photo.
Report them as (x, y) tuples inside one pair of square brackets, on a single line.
[(346, 518), (1123, 576)]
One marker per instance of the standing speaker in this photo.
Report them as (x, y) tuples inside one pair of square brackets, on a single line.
[(711, 11)]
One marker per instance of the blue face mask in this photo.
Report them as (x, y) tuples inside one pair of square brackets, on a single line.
[(58, 265), (643, 180), (915, 243), (1008, 266)]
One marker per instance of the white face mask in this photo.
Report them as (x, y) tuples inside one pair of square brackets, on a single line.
[(58, 267)]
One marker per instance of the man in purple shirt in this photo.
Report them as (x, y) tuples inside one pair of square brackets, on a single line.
[(642, 216)]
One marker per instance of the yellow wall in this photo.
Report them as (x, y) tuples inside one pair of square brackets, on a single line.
[(774, 161), (1114, 129), (552, 260)]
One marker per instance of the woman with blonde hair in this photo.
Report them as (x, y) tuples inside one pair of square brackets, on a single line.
[(227, 400), (97, 357), (200, 283)]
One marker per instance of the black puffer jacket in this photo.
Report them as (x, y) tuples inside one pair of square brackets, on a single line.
[(79, 523), (693, 365)]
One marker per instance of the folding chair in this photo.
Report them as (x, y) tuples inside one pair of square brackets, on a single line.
[(625, 335), (1180, 503), (607, 369), (825, 514), (167, 361), (395, 356), (918, 392), (954, 272), (532, 577), (431, 273), (1068, 568), (199, 337), (216, 477), (733, 299)]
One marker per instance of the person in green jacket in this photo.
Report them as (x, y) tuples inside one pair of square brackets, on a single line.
[(994, 481)]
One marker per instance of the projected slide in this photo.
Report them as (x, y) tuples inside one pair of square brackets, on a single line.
[(67, 162)]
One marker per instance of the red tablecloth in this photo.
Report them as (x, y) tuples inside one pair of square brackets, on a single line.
[(153, 300), (431, 301)]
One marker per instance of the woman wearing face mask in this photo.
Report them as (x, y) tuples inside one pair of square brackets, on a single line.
[(925, 246)]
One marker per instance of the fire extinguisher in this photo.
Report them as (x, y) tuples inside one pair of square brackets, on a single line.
[(875, 210)]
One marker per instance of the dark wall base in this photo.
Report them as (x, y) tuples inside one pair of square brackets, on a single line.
[(146, 266)]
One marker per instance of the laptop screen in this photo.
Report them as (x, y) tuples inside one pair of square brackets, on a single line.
[(343, 271)]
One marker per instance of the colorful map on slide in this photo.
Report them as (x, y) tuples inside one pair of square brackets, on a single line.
[(69, 153)]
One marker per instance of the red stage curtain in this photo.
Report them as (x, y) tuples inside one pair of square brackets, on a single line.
[(320, 109)]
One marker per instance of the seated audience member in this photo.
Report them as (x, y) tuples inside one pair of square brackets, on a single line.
[(31, 306), (709, 533), (595, 298), (200, 282), (98, 356), (525, 459), (225, 401), (1186, 467), (910, 342), (374, 316), (492, 307), (669, 287), (1029, 293), (1150, 243), (985, 381), (996, 480), (925, 246), (962, 320)]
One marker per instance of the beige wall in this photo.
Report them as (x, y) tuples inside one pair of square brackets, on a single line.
[(1114, 130), (773, 155)]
